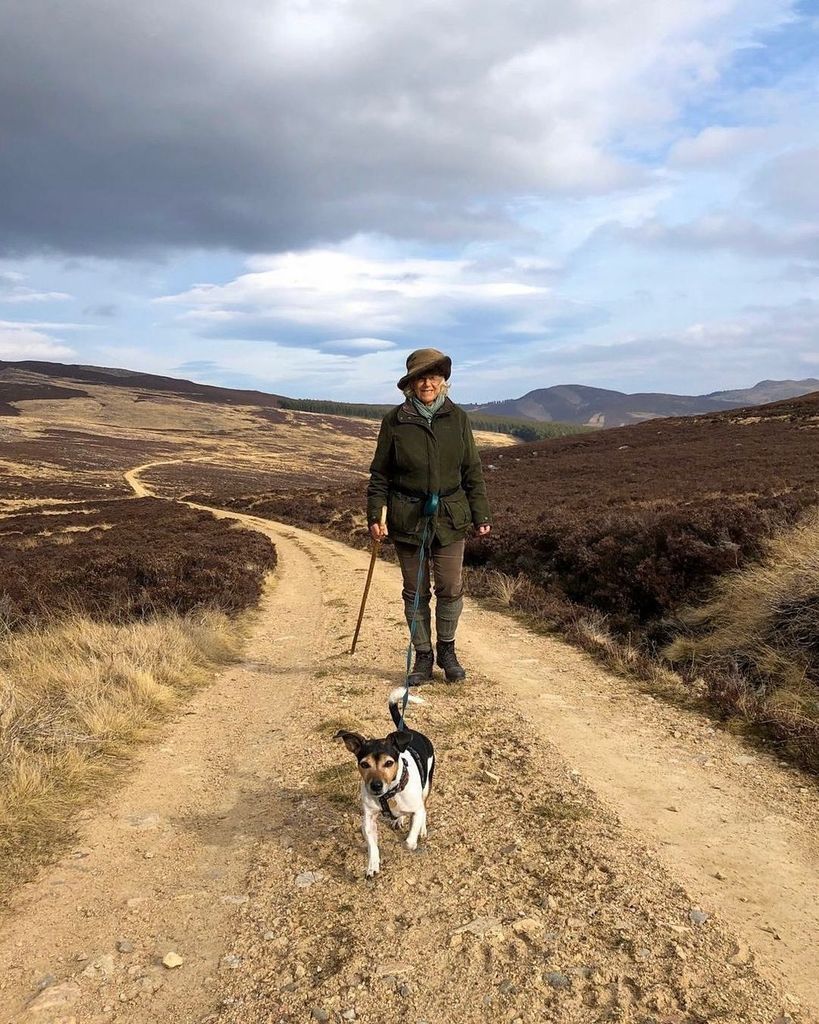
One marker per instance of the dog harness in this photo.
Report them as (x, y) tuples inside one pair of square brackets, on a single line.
[(385, 798)]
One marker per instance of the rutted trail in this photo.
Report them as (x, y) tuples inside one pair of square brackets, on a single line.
[(236, 843), (162, 864)]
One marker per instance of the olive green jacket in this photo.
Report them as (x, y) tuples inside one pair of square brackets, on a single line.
[(414, 458)]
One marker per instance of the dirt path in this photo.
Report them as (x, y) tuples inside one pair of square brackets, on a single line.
[(576, 833), (134, 476)]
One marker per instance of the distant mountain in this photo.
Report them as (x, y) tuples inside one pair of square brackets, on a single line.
[(599, 407)]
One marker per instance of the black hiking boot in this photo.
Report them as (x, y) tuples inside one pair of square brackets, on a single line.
[(448, 661), (422, 669)]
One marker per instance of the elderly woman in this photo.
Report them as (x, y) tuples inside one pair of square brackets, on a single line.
[(425, 452)]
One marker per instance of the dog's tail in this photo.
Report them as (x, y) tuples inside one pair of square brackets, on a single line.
[(395, 698)]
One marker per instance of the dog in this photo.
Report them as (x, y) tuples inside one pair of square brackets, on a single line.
[(396, 779)]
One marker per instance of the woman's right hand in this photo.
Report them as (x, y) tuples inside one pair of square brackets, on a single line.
[(378, 531)]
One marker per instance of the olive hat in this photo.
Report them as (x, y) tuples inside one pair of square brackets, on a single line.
[(421, 361)]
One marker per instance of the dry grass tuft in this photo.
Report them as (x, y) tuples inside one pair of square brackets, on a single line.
[(75, 697), (757, 641), (503, 587)]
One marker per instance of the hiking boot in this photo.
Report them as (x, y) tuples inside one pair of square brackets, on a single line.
[(448, 661), (422, 669)]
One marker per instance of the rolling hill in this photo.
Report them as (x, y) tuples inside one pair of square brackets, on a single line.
[(599, 407)]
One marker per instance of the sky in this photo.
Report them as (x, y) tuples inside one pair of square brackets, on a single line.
[(293, 194)]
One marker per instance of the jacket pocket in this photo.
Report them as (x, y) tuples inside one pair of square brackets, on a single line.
[(404, 514), (457, 510)]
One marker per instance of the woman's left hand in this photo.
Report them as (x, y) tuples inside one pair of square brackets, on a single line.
[(484, 530)]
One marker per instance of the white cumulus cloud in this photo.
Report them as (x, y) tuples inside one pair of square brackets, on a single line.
[(27, 341)]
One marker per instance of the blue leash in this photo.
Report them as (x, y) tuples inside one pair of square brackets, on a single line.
[(430, 510)]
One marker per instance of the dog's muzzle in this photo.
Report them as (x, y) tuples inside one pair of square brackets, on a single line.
[(376, 787)]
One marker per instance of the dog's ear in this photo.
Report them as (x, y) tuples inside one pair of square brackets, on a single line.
[(401, 739), (352, 741)]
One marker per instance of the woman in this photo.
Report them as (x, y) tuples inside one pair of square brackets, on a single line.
[(425, 449)]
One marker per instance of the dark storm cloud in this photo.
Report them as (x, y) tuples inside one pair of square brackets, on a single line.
[(131, 127)]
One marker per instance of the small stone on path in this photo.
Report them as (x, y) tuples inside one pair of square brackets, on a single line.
[(172, 960), (481, 926), (103, 966), (308, 878), (55, 997), (393, 967), (528, 927), (557, 980), (697, 916)]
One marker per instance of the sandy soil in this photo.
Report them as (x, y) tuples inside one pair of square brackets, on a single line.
[(593, 854)]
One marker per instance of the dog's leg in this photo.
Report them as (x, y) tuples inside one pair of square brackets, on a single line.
[(369, 826), (419, 827)]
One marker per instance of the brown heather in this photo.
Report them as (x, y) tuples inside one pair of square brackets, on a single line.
[(126, 559)]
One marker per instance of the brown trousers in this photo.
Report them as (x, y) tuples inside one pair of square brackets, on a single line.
[(446, 565)]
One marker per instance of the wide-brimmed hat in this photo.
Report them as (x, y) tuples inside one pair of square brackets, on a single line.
[(421, 361)]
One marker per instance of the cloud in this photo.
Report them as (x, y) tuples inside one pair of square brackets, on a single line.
[(12, 290), (264, 127), (104, 310), (339, 300), (281, 369), (716, 145), (358, 345), (723, 230), (788, 184), (760, 341), (26, 341)]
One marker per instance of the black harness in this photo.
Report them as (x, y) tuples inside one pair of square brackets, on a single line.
[(385, 798)]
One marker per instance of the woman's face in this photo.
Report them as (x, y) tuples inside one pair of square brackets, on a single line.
[(428, 387)]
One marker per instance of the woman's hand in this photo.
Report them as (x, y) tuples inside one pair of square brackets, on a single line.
[(378, 531), (484, 530)]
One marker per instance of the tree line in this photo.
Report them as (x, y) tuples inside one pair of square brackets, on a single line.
[(524, 430)]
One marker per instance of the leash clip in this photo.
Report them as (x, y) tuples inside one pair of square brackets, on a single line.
[(431, 505)]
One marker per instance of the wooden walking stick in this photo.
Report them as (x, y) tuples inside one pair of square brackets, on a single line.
[(376, 546)]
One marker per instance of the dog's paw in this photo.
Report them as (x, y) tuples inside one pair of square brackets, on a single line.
[(372, 870), (397, 824)]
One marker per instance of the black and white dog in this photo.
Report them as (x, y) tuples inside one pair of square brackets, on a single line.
[(396, 777)]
